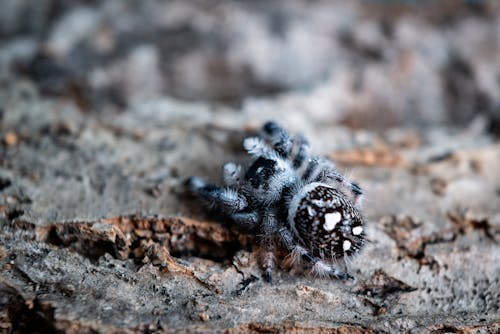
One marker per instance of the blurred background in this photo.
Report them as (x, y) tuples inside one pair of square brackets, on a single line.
[(365, 64)]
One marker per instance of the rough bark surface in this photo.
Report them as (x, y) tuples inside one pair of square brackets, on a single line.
[(97, 233)]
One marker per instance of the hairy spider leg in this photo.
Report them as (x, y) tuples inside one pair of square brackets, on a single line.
[(302, 154), (232, 174), (259, 148), (283, 143), (310, 171), (329, 174), (280, 139), (228, 201), (245, 221), (319, 267), (324, 171), (268, 229), (225, 199)]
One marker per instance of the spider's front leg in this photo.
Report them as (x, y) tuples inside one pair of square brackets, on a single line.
[(302, 154), (232, 174), (226, 200), (283, 143), (280, 139)]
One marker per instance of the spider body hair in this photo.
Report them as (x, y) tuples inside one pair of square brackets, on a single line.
[(288, 194)]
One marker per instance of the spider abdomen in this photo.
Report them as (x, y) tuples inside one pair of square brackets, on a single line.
[(326, 222)]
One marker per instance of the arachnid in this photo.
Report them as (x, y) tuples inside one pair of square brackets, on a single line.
[(289, 195)]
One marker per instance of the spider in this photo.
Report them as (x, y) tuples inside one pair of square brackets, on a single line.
[(289, 195)]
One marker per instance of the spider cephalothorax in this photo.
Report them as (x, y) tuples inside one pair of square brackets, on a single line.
[(288, 194)]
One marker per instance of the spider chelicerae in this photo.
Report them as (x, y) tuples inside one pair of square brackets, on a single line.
[(289, 195)]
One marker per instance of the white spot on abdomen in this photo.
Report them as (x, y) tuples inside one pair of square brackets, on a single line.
[(346, 245), (357, 230), (311, 211), (332, 219)]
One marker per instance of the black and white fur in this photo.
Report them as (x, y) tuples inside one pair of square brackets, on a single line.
[(290, 195)]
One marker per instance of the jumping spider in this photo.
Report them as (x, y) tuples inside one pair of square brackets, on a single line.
[(290, 195)]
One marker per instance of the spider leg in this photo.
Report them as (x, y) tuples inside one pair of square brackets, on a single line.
[(323, 170), (279, 138), (258, 147), (227, 200), (245, 221), (232, 174), (268, 258), (302, 152), (329, 174), (268, 229), (283, 144), (355, 189), (319, 267), (324, 269), (311, 170)]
